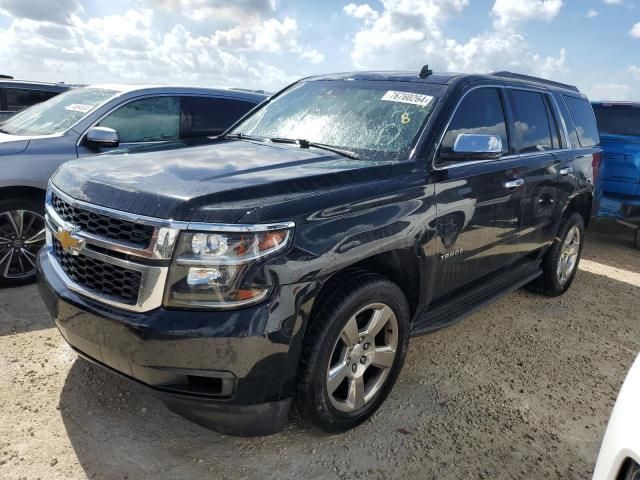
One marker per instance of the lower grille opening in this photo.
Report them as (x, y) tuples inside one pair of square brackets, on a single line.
[(100, 277)]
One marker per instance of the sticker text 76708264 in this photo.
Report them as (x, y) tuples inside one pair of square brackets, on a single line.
[(407, 97)]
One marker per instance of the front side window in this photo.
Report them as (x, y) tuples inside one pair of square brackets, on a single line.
[(618, 119), (377, 120), (203, 116), (152, 119), (532, 129), (19, 98), (480, 113), (57, 114), (584, 120)]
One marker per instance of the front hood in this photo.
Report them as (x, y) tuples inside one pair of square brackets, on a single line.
[(218, 182), (12, 144)]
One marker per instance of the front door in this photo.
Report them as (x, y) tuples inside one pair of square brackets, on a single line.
[(478, 204)]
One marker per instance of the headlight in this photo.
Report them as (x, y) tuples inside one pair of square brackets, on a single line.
[(208, 268)]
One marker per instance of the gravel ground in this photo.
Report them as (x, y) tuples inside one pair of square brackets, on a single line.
[(521, 389)]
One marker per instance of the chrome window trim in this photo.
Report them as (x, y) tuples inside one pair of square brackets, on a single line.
[(506, 157)]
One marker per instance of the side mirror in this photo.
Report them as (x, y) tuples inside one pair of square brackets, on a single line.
[(102, 137), (473, 146)]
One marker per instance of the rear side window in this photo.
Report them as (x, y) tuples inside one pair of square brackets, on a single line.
[(533, 133), (480, 112), (202, 116), (19, 98), (618, 119), (584, 120)]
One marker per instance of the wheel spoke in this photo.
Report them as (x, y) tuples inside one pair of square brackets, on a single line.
[(4, 241), (16, 218), (6, 261), (355, 397), (350, 334), (379, 319), (336, 376), (383, 357), (30, 257), (37, 238)]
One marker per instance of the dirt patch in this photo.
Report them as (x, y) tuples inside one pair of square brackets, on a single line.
[(521, 389)]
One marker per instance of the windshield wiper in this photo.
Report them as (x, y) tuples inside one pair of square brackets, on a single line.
[(302, 143), (244, 136)]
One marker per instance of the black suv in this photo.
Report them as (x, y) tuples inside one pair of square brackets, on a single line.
[(291, 260)]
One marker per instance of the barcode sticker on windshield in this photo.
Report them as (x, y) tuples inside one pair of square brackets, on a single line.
[(406, 97), (78, 107)]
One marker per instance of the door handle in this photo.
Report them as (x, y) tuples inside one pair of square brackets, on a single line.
[(566, 170), (518, 182)]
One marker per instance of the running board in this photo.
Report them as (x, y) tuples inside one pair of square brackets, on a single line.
[(457, 308)]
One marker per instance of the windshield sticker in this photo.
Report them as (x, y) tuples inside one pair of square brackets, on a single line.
[(79, 107), (406, 97), (405, 118)]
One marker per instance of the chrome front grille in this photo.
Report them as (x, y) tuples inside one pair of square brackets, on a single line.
[(113, 257), (98, 224), (114, 282)]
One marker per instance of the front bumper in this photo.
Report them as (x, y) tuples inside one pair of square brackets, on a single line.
[(230, 371)]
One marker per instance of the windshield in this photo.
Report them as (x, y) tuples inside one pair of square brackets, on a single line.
[(377, 120), (57, 114), (618, 119)]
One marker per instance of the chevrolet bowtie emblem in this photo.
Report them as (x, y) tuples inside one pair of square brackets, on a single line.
[(68, 242)]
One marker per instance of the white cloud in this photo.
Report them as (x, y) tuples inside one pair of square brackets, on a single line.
[(635, 31), (634, 70), (592, 13), (361, 11), (220, 10), (509, 12), (612, 2), (404, 35), (55, 11), (611, 91)]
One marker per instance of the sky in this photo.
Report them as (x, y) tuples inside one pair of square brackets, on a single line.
[(268, 44)]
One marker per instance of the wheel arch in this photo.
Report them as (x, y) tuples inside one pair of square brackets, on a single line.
[(7, 193), (582, 204)]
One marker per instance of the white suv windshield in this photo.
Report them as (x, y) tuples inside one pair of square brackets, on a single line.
[(57, 114), (377, 120)]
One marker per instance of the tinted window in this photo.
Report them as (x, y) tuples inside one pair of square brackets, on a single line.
[(573, 136), (146, 120), (584, 120), (555, 132), (618, 119), (19, 98), (532, 129), (202, 116), (480, 112)]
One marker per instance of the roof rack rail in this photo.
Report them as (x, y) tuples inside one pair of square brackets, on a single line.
[(530, 78), (9, 77)]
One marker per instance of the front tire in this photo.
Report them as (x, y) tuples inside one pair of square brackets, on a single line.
[(22, 235), (560, 263), (353, 352)]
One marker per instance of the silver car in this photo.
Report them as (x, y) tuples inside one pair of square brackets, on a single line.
[(88, 121)]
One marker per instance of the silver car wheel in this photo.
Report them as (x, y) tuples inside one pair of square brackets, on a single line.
[(569, 255), (362, 357), (22, 234)]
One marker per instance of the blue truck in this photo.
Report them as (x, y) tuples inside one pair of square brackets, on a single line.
[(618, 189)]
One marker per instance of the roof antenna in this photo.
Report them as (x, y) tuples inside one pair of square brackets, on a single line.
[(425, 72)]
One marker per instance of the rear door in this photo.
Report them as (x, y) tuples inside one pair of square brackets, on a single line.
[(536, 136), (478, 205)]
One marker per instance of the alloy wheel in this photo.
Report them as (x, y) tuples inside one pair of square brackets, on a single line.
[(362, 357), (22, 234), (569, 255)]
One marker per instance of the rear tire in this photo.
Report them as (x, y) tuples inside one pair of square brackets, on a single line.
[(21, 237), (353, 352), (560, 263)]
